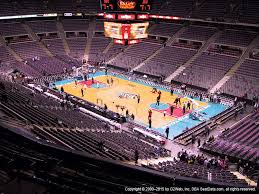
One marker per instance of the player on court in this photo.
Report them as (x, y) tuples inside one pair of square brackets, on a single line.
[(84, 86), (111, 81), (149, 114), (159, 94), (82, 92), (75, 83), (138, 98)]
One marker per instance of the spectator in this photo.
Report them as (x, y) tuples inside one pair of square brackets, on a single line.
[(207, 130), (193, 139), (101, 145), (136, 156), (132, 116), (195, 174), (167, 132), (199, 142), (211, 138)]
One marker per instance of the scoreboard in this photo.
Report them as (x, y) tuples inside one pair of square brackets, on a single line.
[(126, 5), (126, 31), (126, 20)]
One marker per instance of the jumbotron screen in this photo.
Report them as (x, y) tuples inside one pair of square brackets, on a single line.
[(126, 5), (126, 31)]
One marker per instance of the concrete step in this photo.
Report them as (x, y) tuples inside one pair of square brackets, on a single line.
[(233, 69), (36, 39), (108, 47), (61, 32), (121, 53), (10, 50), (176, 35), (89, 39)]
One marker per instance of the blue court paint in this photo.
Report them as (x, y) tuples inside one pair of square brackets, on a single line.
[(63, 82), (177, 126), (98, 85), (162, 106)]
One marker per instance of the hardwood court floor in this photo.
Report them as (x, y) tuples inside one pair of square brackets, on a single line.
[(109, 95)]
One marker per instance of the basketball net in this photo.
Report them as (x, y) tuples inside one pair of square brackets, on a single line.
[(81, 71)]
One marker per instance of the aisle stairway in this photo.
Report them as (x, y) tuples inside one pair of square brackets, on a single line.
[(232, 71), (63, 36), (34, 36), (10, 50), (89, 39), (189, 62)]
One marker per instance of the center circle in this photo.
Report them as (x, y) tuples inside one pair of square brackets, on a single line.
[(162, 106)]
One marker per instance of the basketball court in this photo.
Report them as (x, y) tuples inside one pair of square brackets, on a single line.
[(121, 94)]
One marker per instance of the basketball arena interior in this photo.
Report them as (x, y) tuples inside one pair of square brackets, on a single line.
[(129, 96)]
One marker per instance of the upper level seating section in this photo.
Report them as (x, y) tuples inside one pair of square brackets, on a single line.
[(240, 141), (72, 61), (5, 56), (97, 47), (31, 7), (114, 50), (23, 68), (63, 6), (249, 68), (116, 145), (129, 143), (71, 117), (20, 103), (245, 132), (70, 5), (10, 29), (77, 119), (87, 143), (90, 6), (55, 46), (77, 47), (207, 70), (182, 168), (6, 9), (249, 12), (157, 6), (177, 8), (211, 9), (167, 61), (23, 7), (28, 50), (135, 55), (75, 25), (49, 65), (164, 29), (43, 26), (236, 38), (245, 80), (26, 69), (99, 26), (215, 48), (198, 33)]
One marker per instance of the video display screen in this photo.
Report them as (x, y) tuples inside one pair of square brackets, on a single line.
[(112, 30), (139, 30), (126, 31)]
